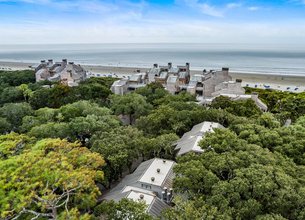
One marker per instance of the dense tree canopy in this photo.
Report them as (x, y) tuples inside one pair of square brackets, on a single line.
[(45, 178), (253, 169)]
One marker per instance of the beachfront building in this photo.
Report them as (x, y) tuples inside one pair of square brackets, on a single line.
[(190, 140), (150, 183), (65, 72), (172, 78), (133, 82), (206, 86)]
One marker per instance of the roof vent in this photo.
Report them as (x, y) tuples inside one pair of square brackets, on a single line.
[(141, 196), (164, 161), (158, 170), (153, 179)]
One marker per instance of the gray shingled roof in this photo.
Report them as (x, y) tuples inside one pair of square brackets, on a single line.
[(157, 207), (128, 180), (189, 141), (128, 186)]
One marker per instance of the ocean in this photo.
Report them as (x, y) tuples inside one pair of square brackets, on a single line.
[(276, 59)]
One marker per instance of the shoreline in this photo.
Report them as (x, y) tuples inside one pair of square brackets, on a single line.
[(287, 82)]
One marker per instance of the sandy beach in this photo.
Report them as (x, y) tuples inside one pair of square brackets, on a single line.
[(293, 83)]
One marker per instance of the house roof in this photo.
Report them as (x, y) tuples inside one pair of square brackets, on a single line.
[(128, 187), (190, 140), (165, 167), (163, 75), (120, 82), (172, 79), (154, 204)]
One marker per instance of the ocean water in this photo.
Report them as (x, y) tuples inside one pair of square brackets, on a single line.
[(277, 59)]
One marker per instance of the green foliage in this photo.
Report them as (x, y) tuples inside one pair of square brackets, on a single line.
[(283, 104), (16, 78), (76, 121), (153, 92), (13, 144), (196, 210), (243, 108), (124, 209), (132, 105), (11, 94), (242, 180), (5, 126), (254, 169), (60, 95), (46, 177), (14, 113), (120, 147)]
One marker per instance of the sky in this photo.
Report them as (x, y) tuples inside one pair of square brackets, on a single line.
[(152, 21)]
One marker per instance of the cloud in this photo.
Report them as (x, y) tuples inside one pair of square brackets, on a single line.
[(209, 10), (233, 5), (253, 8), (155, 31), (204, 8)]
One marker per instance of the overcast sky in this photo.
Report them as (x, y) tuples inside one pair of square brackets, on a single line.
[(152, 21)]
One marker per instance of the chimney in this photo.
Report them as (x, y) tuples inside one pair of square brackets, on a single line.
[(171, 191), (156, 65), (170, 65), (163, 195), (138, 71), (50, 62), (168, 197), (225, 70), (43, 61), (187, 66), (71, 63), (64, 61)]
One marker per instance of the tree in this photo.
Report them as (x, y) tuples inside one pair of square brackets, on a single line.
[(133, 105), (14, 112), (125, 209), (196, 210), (244, 108), (5, 126), (120, 147), (27, 93), (10, 95), (48, 179), (16, 78), (152, 92), (243, 180)]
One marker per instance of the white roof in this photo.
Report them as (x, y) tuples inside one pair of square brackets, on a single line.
[(136, 196), (165, 167), (133, 188)]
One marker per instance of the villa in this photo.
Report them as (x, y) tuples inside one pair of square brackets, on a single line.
[(65, 72), (150, 183)]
